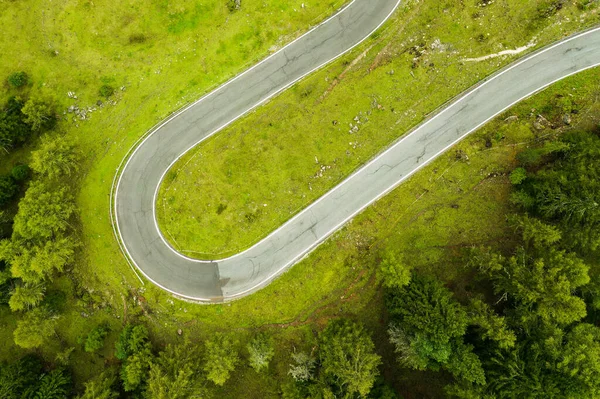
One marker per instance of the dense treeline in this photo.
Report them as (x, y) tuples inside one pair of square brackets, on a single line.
[(36, 210), (533, 334), (343, 366), (30, 378)]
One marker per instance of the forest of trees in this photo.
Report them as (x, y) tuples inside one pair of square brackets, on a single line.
[(530, 330), (36, 211)]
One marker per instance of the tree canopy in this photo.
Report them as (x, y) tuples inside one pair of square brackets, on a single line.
[(221, 357), (34, 328), (175, 373), (426, 320), (260, 351), (566, 191), (348, 359)]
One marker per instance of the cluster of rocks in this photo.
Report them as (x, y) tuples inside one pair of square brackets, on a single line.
[(438, 46), (81, 113), (418, 51), (354, 125), (321, 170), (460, 155), (85, 112), (541, 123)]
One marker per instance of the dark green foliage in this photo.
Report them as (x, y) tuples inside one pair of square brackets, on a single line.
[(132, 339), (18, 79), (55, 300), (8, 189), (427, 319), (107, 90), (549, 364), (5, 283), (54, 385), (20, 173), (5, 226), (19, 378), (25, 379), (542, 283), (14, 131), (382, 391), (134, 349), (348, 359), (95, 339), (567, 191), (5, 290), (535, 155)]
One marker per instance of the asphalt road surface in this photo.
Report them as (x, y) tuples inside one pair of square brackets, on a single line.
[(215, 281)]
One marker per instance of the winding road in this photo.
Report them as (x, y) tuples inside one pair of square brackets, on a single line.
[(134, 195)]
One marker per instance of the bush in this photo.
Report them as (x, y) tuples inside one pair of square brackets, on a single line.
[(234, 5), (8, 189), (394, 272), (106, 90), (137, 38), (20, 172), (133, 339), (18, 79), (14, 131), (261, 352), (95, 339), (220, 359), (518, 176), (57, 157)]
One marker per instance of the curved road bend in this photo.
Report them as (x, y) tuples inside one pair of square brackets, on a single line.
[(256, 267)]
